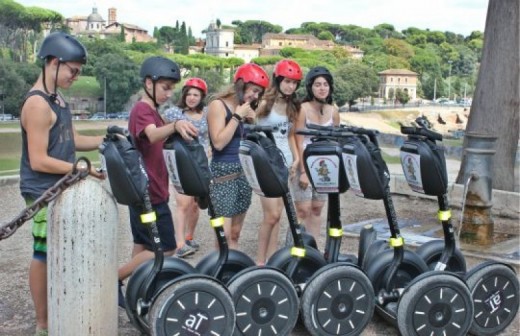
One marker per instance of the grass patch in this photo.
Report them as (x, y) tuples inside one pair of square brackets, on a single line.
[(85, 86), (390, 159)]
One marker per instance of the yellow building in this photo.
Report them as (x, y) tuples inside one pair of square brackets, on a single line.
[(393, 79)]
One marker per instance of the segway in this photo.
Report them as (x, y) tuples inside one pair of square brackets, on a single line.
[(166, 295), (265, 300), (418, 301), (494, 286), (336, 297)]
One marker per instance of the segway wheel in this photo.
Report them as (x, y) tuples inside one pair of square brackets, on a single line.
[(495, 291), (266, 302), (193, 306), (437, 303), (337, 301), (431, 253)]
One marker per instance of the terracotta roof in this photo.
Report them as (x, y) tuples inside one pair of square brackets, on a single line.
[(397, 72)]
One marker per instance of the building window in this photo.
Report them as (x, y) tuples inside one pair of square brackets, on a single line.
[(406, 80), (280, 44), (227, 44)]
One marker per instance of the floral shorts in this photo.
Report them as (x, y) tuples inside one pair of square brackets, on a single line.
[(231, 197)]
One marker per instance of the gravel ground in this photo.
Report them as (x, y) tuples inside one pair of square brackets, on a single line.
[(16, 311)]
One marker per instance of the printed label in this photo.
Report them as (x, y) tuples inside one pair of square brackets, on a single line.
[(173, 172), (250, 172), (411, 164), (324, 171), (350, 165)]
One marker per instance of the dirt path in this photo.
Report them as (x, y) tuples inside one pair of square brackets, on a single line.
[(16, 313)]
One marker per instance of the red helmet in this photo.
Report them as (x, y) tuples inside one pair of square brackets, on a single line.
[(197, 83), (288, 69), (252, 73)]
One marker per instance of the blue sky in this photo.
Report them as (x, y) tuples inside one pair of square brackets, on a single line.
[(457, 16)]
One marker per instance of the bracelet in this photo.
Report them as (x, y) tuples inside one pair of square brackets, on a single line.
[(237, 116), (175, 124)]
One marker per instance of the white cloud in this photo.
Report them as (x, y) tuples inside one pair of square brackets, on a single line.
[(457, 16)]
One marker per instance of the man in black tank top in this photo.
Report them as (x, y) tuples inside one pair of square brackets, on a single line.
[(49, 143)]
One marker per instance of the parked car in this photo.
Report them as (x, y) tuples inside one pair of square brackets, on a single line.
[(123, 115), (97, 116)]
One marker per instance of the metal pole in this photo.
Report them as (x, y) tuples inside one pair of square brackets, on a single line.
[(477, 223), (434, 89), (82, 261), (449, 82), (105, 97)]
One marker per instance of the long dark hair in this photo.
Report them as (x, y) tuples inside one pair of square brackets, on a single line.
[(182, 100), (273, 92)]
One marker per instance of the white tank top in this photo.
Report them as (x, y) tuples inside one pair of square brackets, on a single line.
[(307, 138), (281, 136)]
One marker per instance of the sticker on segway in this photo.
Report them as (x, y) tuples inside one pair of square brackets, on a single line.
[(412, 170), (324, 171), (196, 322), (350, 166), (250, 172), (173, 172)]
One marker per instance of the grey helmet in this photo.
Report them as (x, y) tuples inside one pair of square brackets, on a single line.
[(157, 67), (64, 47), (311, 76)]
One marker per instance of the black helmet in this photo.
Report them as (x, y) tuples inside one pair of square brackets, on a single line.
[(160, 67), (64, 47), (311, 76)]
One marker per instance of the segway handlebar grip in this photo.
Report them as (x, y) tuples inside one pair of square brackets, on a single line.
[(259, 128), (113, 129), (411, 130)]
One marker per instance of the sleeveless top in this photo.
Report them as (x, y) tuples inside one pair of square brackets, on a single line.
[(281, 136), (176, 113), (307, 138), (60, 146), (230, 152)]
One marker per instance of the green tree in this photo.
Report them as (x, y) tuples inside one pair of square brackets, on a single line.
[(353, 81), (17, 78), (122, 79), (402, 96)]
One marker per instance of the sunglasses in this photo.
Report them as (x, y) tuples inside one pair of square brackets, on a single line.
[(75, 72)]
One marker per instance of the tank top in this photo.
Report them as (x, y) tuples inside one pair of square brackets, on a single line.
[(307, 138), (281, 135), (60, 146), (230, 152)]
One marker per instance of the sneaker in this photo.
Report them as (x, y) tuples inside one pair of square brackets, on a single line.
[(193, 244), (184, 251), (120, 297)]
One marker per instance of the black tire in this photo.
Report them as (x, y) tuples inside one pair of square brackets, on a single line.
[(431, 253), (172, 268), (495, 292), (193, 306), (310, 263), (338, 300), (374, 249), (367, 236), (437, 303), (411, 267), (236, 262), (308, 240), (266, 302)]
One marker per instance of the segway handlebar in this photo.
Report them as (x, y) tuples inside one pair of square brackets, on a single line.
[(327, 132), (113, 129), (259, 128), (431, 135)]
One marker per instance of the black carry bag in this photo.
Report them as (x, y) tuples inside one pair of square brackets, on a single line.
[(124, 167), (264, 165), (188, 167)]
